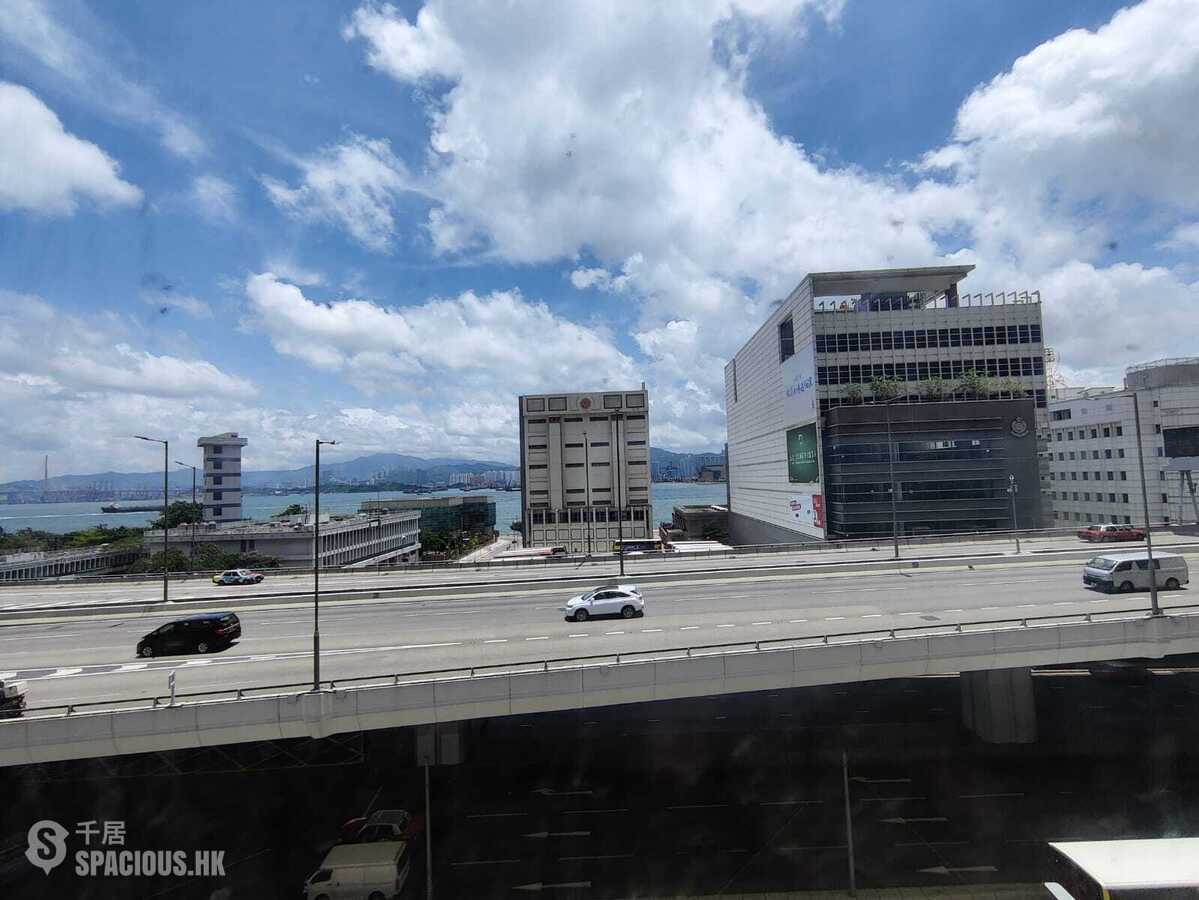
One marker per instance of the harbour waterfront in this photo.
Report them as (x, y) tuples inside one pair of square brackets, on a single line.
[(60, 518)]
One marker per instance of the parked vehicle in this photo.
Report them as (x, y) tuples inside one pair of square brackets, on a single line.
[(382, 825), (377, 870), (1127, 572), (238, 576), (196, 634), (1103, 533), (610, 600), (12, 699)]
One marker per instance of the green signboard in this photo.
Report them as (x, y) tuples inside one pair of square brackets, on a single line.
[(803, 459)]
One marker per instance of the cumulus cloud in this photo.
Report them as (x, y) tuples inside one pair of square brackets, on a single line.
[(640, 146), (47, 48), (353, 185), (166, 301), (465, 343), (47, 170)]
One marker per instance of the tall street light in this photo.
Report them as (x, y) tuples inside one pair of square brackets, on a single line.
[(316, 568), (193, 468), (1012, 488), (1136, 411), (166, 531), (891, 475), (588, 512)]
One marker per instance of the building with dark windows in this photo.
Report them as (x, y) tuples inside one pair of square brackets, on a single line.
[(910, 337), (950, 464), (1093, 448), (584, 463), (222, 476)]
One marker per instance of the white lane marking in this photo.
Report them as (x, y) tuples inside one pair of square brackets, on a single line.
[(953, 610), (497, 641), (833, 618), (4, 675), (128, 667), (579, 858), (689, 628), (1026, 606), (987, 796), (265, 656), (61, 673), (485, 862), (872, 616), (198, 662), (1064, 603), (761, 623), (583, 812), (700, 806), (544, 637), (795, 621), (613, 632), (916, 613), (789, 802), (726, 626), (990, 607), (649, 630), (888, 799), (576, 635)]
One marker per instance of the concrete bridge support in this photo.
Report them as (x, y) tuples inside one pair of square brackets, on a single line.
[(998, 705)]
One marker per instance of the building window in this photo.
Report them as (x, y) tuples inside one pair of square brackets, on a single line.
[(635, 418), (1107, 432), (1094, 433), (1123, 476), (1076, 495), (576, 515), (217, 479), (538, 518), (1061, 457), (536, 421), (216, 449), (787, 339), (1155, 403), (1127, 520), (599, 443), (218, 464), (535, 404), (611, 401), (1111, 498), (1107, 454), (1059, 415), (1084, 476), (594, 464), (557, 404), (217, 495), (569, 419), (732, 378), (1057, 435), (538, 466), (1161, 475), (1111, 476), (1088, 517), (575, 491), (1087, 496), (601, 490), (1069, 435), (1165, 499), (1120, 452), (572, 466), (1160, 451), (635, 443), (573, 446), (1123, 498), (539, 493), (538, 447), (1119, 431), (1094, 454), (1074, 476), (1072, 454), (634, 401)]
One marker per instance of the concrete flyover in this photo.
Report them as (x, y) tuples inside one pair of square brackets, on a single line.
[(530, 686)]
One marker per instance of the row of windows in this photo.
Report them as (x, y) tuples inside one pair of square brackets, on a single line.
[(1078, 517), (920, 338), (828, 403), (1082, 454), (1111, 476), (1105, 430), (1003, 367), (610, 401), (1086, 496), (632, 418), (579, 446), (574, 516), (579, 465)]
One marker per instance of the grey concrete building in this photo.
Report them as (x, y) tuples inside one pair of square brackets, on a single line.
[(1095, 471), (824, 346), (363, 539), (584, 461), (222, 476)]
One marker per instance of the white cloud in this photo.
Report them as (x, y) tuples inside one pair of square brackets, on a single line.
[(46, 170), (640, 147), (287, 269), (1184, 237), (353, 185), (165, 301), (499, 343), (80, 356), (215, 198), (45, 46)]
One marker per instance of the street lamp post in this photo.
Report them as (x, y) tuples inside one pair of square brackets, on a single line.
[(891, 475), (166, 531), (588, 512), (193, 468), (1012, 488), (616, 419), (316, 568), (1154, 605)]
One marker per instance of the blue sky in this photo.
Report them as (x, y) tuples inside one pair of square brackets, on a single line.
[(381, 223)]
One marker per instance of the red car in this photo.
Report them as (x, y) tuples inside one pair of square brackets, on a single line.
[(1103, 533)]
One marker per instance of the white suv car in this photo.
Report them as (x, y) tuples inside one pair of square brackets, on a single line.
[(609, 600)]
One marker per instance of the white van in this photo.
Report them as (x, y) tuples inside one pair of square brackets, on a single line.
[(1130, 571), (375, 871)]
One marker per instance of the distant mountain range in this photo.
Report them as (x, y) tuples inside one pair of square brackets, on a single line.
[(398, 467)]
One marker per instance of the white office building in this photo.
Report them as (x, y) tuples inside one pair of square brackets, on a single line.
[(824, 346), (1095, 472), (222, 476), (584, 460)]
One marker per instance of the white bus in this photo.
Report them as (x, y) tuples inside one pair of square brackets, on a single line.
[(1153, 869)]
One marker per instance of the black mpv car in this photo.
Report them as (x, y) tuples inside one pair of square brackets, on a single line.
[(195, 634)]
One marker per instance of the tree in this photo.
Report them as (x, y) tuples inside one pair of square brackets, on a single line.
[(854, 394), (934, 389), (975, 384), (180, 513), (884, 388), (1012, 387), (294, 510)]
